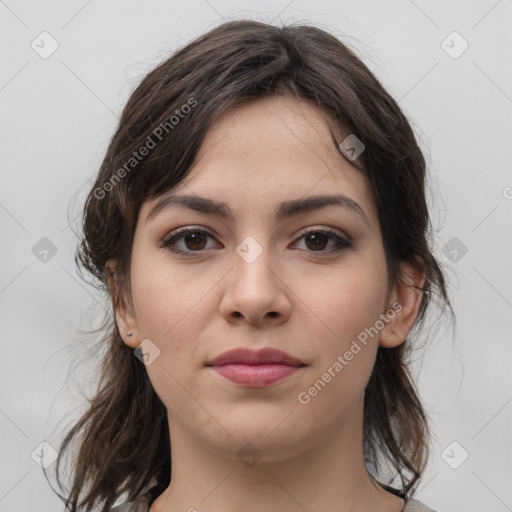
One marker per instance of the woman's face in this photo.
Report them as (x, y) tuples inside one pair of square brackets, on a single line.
[(258, 280)]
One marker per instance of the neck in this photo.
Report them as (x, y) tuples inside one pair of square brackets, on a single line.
[(328, 475)]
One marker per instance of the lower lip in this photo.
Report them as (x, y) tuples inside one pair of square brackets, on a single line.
[(255, 375)]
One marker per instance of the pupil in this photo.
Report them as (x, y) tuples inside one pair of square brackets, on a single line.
[(192, 238), (315, 238)]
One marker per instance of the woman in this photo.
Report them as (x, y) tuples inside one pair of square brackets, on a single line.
[(260, 225)]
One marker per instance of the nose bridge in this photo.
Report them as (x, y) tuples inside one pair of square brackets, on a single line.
[(254, 289), (253, 262)]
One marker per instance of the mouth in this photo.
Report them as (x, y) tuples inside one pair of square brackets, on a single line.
[(255, 368)]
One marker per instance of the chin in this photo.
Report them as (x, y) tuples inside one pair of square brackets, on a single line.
[(263, 438)]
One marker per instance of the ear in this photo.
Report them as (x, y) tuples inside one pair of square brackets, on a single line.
[(403, 305), (122, 305)]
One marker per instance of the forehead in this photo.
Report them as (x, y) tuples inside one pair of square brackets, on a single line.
[(271, 149), (272, 129)]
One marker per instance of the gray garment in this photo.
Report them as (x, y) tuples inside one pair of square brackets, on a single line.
[(142, 504), (412, 505)]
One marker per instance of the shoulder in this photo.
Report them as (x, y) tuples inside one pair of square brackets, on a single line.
[(141, 504), (132, 506), (412, 505)]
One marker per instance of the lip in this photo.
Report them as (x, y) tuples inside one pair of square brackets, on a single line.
[(255, 368), (265, 355)]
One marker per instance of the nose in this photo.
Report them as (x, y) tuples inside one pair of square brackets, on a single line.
[(255, 292)]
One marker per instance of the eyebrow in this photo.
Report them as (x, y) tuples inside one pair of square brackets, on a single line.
[(284, 210)]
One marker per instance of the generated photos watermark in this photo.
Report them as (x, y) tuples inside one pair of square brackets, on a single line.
[(151, 142), (304, 397)]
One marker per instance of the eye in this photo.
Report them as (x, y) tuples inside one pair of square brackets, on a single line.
[(189, 240), (194, 240), (316, 239)]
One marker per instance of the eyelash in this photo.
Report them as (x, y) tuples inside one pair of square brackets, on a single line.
[(341, 243)]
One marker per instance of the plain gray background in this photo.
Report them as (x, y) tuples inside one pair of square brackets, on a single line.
[(59, 111)]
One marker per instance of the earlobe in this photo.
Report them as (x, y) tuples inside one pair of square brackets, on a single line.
[(123, 309), (405, 301), (127, 326)]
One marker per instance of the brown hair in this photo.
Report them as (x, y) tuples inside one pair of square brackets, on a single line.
[(123, 435)]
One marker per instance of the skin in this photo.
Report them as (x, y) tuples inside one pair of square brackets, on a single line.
[(299, 297)]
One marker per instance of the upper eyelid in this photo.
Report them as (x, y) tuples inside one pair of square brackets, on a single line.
[(192, 227), (335, 232)]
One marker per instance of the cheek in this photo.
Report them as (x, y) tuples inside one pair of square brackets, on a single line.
[(345, 352), (345, 300), (168, 309), (162, 293), (343, 305)]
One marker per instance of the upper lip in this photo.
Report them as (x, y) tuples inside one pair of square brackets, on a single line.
[(265, 355)]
